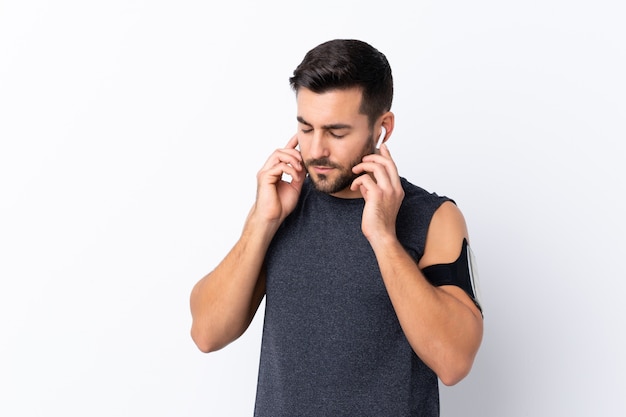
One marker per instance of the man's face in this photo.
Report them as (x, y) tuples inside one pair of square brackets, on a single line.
[(333, 138)]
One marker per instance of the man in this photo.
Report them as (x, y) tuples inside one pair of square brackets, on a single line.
[(367, 278)]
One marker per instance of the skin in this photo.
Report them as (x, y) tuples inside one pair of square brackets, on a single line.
[(335, 141)]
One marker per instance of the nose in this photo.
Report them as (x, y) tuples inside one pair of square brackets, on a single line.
[(318, 148)]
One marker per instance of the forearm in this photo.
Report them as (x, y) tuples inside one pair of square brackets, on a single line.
[(443, 331), (224, 302)]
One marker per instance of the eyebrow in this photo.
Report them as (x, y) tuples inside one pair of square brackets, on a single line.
[(333, 126)]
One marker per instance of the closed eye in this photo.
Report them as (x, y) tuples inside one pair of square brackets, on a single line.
[(336, 135)]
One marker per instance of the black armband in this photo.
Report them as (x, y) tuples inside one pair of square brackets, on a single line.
[(461, 273)]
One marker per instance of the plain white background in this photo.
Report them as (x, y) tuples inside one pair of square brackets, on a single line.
[(131, 133)]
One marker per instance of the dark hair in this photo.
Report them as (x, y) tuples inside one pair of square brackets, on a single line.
[(348, 63)]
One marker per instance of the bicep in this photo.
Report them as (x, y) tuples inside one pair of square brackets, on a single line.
[(257, 294), (462, 296), (447, 262), (445, 236)]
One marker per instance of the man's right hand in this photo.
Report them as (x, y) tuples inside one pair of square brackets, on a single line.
[(276, 198)]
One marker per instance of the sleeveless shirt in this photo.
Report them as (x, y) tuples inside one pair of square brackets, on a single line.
[(332, 344)]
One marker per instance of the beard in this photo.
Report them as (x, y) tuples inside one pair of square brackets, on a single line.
[(344, 177)]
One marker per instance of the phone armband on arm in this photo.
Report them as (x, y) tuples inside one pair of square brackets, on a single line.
[(461, 273)]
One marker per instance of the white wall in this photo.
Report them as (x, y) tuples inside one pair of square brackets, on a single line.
[(131, 132)]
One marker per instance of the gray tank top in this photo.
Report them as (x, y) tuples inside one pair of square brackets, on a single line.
[(332, 344)]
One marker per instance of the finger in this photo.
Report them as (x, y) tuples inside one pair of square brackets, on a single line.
[(293, 154), (384, 158), (381, 157), (293, 142), (379, 171), (291, 147), (368, 166), (384, 150), (285, 155), (365, 184), (275, 173), (298, 179)]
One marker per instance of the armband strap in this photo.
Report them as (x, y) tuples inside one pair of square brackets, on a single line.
[(461, 273)]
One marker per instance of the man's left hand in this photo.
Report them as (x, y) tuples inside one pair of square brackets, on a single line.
[(382, 192)]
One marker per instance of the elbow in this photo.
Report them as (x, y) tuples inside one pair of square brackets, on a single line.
[(201, 342), (204, 342), (203, 329), (456, 371), (457, 363), (453, 377), (203, 347)]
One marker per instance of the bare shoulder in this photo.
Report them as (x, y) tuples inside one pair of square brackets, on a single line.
[(445, 235)]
